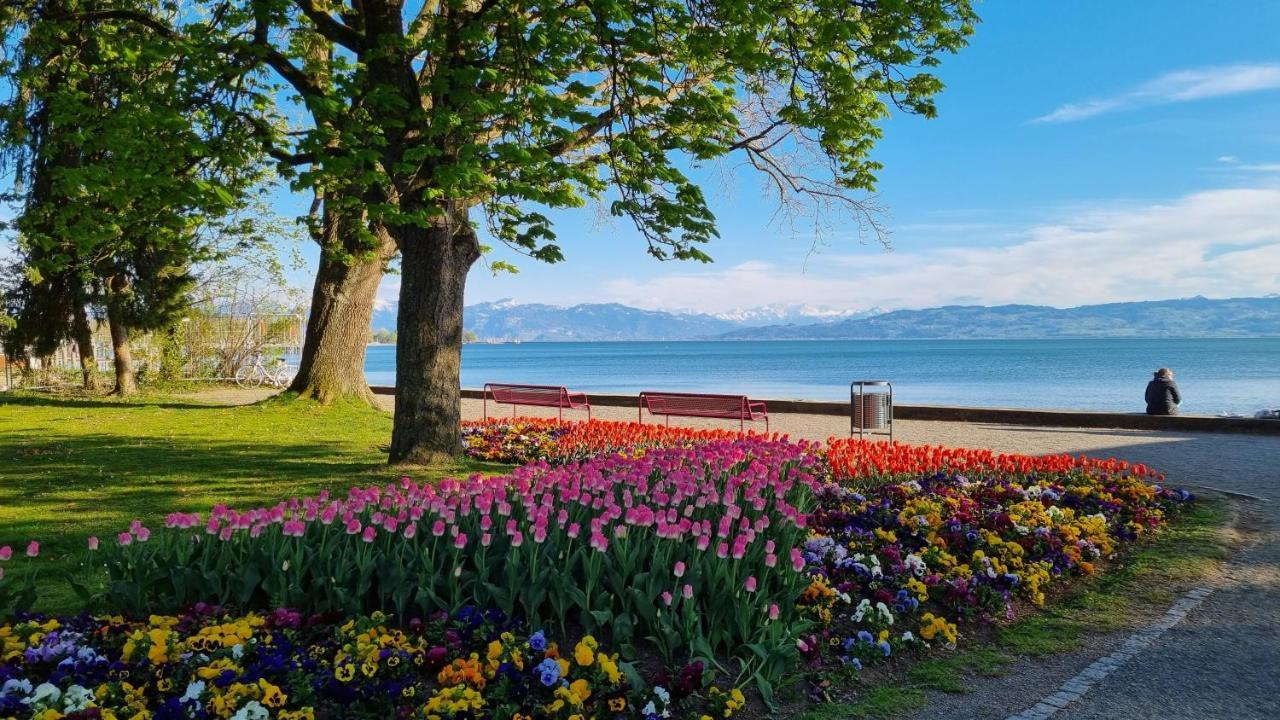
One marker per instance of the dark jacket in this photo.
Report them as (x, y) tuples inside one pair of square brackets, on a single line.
[(1163, 397)]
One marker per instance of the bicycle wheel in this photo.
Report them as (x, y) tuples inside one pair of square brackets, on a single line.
[(248, 377)]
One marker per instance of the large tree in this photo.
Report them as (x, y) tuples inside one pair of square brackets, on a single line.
[(438, 115), (125, 135)]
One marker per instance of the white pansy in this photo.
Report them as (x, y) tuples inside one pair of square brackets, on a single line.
[(76, 698), (252, 710), (44, 692)]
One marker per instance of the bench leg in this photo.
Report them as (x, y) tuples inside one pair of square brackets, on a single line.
[(513, 410), (561, 409), (486, 405)]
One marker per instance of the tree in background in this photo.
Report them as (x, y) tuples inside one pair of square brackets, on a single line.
[(435, 116), (125, 136)]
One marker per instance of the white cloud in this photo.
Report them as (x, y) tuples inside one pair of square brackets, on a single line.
[(1176, 87), (1231, 163), (1219, 243)]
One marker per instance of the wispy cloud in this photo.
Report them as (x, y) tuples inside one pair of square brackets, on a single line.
[(1175, 87), (1231, 163), (1219, 243)]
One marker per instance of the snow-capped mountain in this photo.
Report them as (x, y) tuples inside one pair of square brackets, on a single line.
[(510, 320)]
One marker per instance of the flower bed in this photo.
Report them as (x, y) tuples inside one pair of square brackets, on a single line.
[(746, 554), (524, 440), (899, 564), (206, 664), (694, 549), (863, 461)]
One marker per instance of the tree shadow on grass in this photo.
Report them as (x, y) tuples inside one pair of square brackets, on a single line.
[(34, 399)]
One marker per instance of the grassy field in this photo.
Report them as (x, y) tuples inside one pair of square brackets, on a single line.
[(75, 466)]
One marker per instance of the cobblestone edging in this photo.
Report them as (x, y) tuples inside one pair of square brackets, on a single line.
[(1076, 687)]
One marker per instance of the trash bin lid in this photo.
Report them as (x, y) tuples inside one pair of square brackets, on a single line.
[(870, 382)]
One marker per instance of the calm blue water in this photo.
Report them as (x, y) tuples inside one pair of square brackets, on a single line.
[(1236, 375)]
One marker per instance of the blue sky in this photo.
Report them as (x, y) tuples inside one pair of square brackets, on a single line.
[(1084, 152)]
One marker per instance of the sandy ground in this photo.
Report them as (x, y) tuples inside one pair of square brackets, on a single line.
[(1222, 661)]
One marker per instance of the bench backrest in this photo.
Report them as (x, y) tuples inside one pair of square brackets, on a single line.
[(696, 404), (548, 395)]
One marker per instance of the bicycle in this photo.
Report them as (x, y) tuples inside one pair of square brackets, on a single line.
[(255, 374)]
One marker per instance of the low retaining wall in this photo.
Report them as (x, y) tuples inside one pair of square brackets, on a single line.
[(996, 416)]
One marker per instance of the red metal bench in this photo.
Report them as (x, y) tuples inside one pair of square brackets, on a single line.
[(729, 407), (540, 395)]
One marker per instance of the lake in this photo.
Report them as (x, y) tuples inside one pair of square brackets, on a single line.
[(1215, 375)]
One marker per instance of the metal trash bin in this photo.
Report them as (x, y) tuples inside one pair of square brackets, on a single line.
[(871, 407)]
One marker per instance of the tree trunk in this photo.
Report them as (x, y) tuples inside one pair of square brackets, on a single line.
[(126, 383), (332, 364), (434, 264), (84, 345)]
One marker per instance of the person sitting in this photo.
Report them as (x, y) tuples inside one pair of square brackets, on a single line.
[(1162, 394)]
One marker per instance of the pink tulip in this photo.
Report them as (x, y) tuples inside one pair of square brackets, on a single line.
[(143, 534), (6, 552), (751, 584), (770, 560), (410, 530), (353, 526), (33, 549), (437, 528), (124, 538), (666, 598), (722, 551), (687, 591), (93, 542), (461, 541), (225, 535), (369, 534), (773, 611), (517, 539), (678, 571), (485, 539)]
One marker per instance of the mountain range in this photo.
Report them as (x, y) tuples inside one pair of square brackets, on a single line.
[(510, 320), (1188, 317)]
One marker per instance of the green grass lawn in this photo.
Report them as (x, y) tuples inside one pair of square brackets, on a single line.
[(71, 467)]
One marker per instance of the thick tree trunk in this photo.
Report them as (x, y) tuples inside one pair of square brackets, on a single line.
[(84, 345), (332, 364), (434, 264), (126, 383)]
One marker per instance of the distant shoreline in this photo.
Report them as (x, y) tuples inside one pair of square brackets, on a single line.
[(1072, 338)]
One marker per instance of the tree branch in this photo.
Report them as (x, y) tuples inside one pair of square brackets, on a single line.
[(329, 27), (136, 16)]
